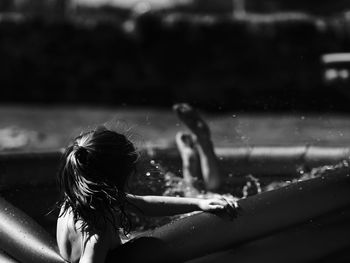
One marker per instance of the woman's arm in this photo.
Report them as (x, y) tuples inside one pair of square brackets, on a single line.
[(168, 205)]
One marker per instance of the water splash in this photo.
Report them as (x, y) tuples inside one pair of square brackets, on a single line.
[(307, 175), (252, 186), (160, 180)]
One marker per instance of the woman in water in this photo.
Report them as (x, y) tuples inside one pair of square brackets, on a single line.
[(93, 176)]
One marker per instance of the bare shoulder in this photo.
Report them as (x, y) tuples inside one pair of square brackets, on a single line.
[(69, 239), (76, 245), (95, 248), (97, 244)]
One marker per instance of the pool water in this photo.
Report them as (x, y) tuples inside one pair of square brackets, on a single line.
[(159, 180), (157, 177)]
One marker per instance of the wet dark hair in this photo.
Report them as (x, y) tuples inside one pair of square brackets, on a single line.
[(94, 171)]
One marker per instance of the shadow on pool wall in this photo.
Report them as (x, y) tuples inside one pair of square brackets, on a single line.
[(260, 62)]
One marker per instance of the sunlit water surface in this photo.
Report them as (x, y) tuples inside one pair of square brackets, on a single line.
[(37, 128)]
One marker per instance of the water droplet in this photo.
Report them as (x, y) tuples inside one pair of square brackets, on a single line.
[(152, 162), (234, 115), (301, 171), (148, 174)]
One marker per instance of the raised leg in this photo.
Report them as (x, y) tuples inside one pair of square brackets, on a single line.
[(201, 135), (190, 160)]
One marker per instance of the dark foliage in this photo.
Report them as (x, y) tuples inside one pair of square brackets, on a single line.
[(269, 62)]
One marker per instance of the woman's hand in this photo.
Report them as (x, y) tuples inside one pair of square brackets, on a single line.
[(217, 204)]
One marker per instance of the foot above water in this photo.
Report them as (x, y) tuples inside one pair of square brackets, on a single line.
[(191, 118)]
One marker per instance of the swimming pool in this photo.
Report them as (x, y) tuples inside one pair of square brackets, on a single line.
[(28, 181)]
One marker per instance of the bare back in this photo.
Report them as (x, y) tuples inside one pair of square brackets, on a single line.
[(73, 243)]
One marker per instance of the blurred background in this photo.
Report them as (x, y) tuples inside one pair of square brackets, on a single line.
[(262, 72)]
